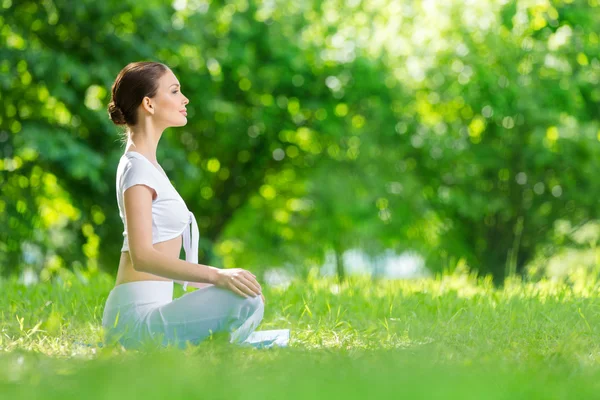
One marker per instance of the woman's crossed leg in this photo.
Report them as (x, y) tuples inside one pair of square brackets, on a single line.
[(196, 315)]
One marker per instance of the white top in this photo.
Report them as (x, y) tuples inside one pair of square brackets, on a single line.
[(170, 215)]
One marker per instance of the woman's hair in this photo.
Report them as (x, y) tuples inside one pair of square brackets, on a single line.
[(134, 82)]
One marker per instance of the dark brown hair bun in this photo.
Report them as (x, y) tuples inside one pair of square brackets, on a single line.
[(116, 115)]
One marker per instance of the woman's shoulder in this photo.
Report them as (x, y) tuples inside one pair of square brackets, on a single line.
[(128, 163), (131, 156), (135, 160), (132, 170)]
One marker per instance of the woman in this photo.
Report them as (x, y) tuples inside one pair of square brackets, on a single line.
[(147, 98)]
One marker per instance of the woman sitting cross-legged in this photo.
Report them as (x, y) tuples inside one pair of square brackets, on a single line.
[(147, 98)]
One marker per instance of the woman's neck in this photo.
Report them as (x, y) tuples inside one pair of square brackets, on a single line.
[(143, 146)]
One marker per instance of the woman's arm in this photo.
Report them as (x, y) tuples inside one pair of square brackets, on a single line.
[(198, 285), (144, 257)]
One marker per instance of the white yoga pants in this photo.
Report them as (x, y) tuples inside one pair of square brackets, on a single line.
[(139, 312)]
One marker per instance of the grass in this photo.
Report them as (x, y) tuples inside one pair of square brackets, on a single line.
[(448, 337)]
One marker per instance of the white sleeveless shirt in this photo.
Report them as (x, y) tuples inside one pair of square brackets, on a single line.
[(170, 215)]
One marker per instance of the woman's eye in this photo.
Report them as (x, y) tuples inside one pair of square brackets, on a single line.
[(175, 91)]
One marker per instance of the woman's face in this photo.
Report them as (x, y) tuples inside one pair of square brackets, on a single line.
[(169, 103)]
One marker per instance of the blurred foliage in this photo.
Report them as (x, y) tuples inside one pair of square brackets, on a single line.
[(466, 133), (503, 128)]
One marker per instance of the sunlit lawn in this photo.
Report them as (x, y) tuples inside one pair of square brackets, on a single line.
[(448, 337)]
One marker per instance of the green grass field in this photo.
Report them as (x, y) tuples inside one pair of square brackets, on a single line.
[(446, 338)]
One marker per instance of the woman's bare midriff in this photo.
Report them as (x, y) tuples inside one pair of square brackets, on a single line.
[(127, 273)]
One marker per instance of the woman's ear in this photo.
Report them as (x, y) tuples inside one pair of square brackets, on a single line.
[(147, 105)]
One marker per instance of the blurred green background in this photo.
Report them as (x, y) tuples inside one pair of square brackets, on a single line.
[(463, 133)]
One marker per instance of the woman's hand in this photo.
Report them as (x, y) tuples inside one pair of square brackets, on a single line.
[(238, 281)]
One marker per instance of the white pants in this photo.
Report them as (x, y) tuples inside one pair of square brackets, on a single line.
[(137, 312)]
